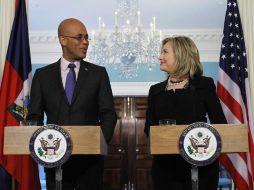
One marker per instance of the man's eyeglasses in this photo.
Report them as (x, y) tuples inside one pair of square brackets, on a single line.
[(80, 38)]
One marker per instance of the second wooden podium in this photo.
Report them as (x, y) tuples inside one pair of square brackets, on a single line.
[(164, 139)]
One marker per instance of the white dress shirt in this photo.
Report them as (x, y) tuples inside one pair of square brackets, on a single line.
[(64, 69)]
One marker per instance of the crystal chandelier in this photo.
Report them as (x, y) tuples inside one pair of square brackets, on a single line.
[(127, 46)]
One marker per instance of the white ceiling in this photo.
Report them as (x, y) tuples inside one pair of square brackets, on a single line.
[(170, 14)]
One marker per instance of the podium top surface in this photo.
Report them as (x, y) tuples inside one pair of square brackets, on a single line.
[(164, 139), (86, 139)]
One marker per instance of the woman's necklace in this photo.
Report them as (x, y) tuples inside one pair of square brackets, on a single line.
[(174, 83)]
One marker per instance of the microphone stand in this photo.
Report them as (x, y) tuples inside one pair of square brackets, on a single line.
[(59, 177), (194, 177)]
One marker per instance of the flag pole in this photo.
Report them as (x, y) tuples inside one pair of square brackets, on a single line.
[(13, 183)]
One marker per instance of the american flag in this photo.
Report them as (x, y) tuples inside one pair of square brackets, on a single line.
[(234, 92)]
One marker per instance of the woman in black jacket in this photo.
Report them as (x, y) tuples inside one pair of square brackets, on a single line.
[(187, 97)]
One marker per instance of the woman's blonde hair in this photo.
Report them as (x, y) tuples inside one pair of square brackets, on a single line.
[(186, 55)]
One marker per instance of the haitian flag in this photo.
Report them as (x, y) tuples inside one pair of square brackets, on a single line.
[(14, 97)]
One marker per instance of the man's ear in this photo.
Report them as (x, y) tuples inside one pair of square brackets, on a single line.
[(62, 40)]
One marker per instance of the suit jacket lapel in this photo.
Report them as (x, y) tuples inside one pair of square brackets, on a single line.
[(57, 74), (81, 80)]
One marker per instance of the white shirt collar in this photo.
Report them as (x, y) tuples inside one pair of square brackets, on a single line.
[(65, 63)]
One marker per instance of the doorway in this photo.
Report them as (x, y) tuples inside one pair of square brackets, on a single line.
[(128, 163)]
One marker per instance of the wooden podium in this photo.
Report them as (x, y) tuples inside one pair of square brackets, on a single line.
[(164, 139), (85, 139)]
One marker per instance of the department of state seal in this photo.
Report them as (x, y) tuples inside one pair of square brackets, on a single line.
[(50, 146), (200, 144)]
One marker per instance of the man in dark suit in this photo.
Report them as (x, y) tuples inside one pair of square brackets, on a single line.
[(89, 103)]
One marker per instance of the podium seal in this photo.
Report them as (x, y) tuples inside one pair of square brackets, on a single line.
[(50, 146), (200, 144)]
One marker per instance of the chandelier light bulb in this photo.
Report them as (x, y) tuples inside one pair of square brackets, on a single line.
[(116, 18), (154, 24), (99, 23), (139, 18)]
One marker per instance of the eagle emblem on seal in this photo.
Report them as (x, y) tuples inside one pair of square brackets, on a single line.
[(200, 146), (51, 145)]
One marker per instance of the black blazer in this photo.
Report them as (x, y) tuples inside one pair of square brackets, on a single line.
[(192, 104), (187, 106), (92, 102)]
